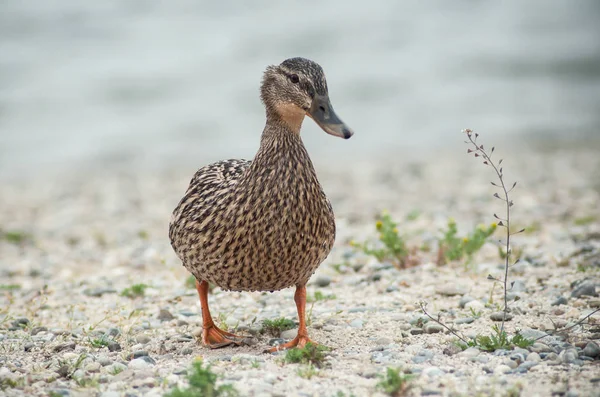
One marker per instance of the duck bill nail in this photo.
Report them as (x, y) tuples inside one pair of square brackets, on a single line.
[(323, 114)]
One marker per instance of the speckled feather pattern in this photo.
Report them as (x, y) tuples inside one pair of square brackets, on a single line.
[(260, 225)]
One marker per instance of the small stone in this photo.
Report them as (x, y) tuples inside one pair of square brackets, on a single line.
[(138, 354), (465, 320), (510, 363), (498, 316), (37, 330), (165, 315), (289, 333), (113, 332), (99, 291), (20, 323), (450, 290), (464, 300), (569, 355), (416, 331), (561, 300), (585, 289), (452, 349), (469, 353), (392, 288), (527, 365), (518, 286), (275, 341), (138, 363), (114, 346), (28, 346), (433, 372), (93, 367), (322, 281), (502, 369), (187, 351), (182, 323), (534, 357), (591, 350), (148, 359), (104, 361), (433, 328), (143, 339), (595, 303), (64, 346), (356, 323)]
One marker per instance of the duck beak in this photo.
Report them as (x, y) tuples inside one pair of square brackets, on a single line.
[(322, 113)]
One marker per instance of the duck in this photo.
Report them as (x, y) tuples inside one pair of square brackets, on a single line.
[(263, 224)]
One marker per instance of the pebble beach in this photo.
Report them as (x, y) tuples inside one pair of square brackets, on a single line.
[(76, 243)]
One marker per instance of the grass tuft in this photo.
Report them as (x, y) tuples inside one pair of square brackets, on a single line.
[(136, 290), (395, 382), (203, 382), (310, 354), (277, 326)]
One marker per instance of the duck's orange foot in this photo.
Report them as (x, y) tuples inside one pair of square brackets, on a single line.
[(299, 341), (215, 338)]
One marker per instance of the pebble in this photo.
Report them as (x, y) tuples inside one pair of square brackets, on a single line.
[(93, 367), (502, 369), (498, 316), (561, 300), (104, 361), (591, 350), (518, 286), (383, 341), (289, 334), (416, 331), (322, 281), (37, 330), (450, 290), (165, 315), (143, 339), (464, 300), (114, 346), (465, 320), (469, 353), (586, 288), (113, 332), (64, 346), (356, 323), (569, 355), (433, 372), (138, 363), (433, 328), (99, 291), (533, 357)]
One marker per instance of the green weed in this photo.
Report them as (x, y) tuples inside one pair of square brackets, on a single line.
[(498, 340), (453, 247), (393, 247), (276, 326), (203, 382), (309, 354), (394, 382), (136, 290), (319, 296)]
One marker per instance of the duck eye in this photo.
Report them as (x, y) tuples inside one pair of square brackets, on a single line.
[(294, 78)]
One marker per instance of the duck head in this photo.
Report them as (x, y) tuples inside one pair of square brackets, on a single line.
[(297, 88)]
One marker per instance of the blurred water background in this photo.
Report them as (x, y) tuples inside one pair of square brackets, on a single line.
[(161, 82)]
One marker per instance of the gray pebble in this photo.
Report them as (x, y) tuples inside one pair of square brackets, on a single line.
[(356, 323), (20, 322), (465, 320), (527, 365), (539, 347), (138, 363), (139, 353), (452, 349), (433, 372), (392, 288), (383, 341), (586, 288), (469, 353), (289, 334), (533, 357), (105, 361), (112, 331), (561, 300), (148, 359), (464, 300), (64, 347), (498, 316), (60, 392), (143, 339), (37, 330), (165, 315), (114, 346), (569, 355), (322, 281), (28, 347), (433, 328), (450, 290), (416, 331), (98, 291), (187, 351), (275, 341), (518, 286), (591, 350)]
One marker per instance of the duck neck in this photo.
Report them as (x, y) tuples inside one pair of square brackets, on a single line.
[(281, 141)]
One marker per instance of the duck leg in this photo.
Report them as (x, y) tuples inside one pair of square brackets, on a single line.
[(212, 336), (302, 338)]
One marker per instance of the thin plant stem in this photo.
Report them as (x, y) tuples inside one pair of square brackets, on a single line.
[(580, 322), (423, 305)]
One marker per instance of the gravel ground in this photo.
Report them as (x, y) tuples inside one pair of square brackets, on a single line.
[(83, 237)]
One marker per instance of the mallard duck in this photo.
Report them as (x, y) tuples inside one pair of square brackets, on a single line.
[(265, 224)]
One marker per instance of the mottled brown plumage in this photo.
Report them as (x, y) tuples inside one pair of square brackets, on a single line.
[(265, 224)]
